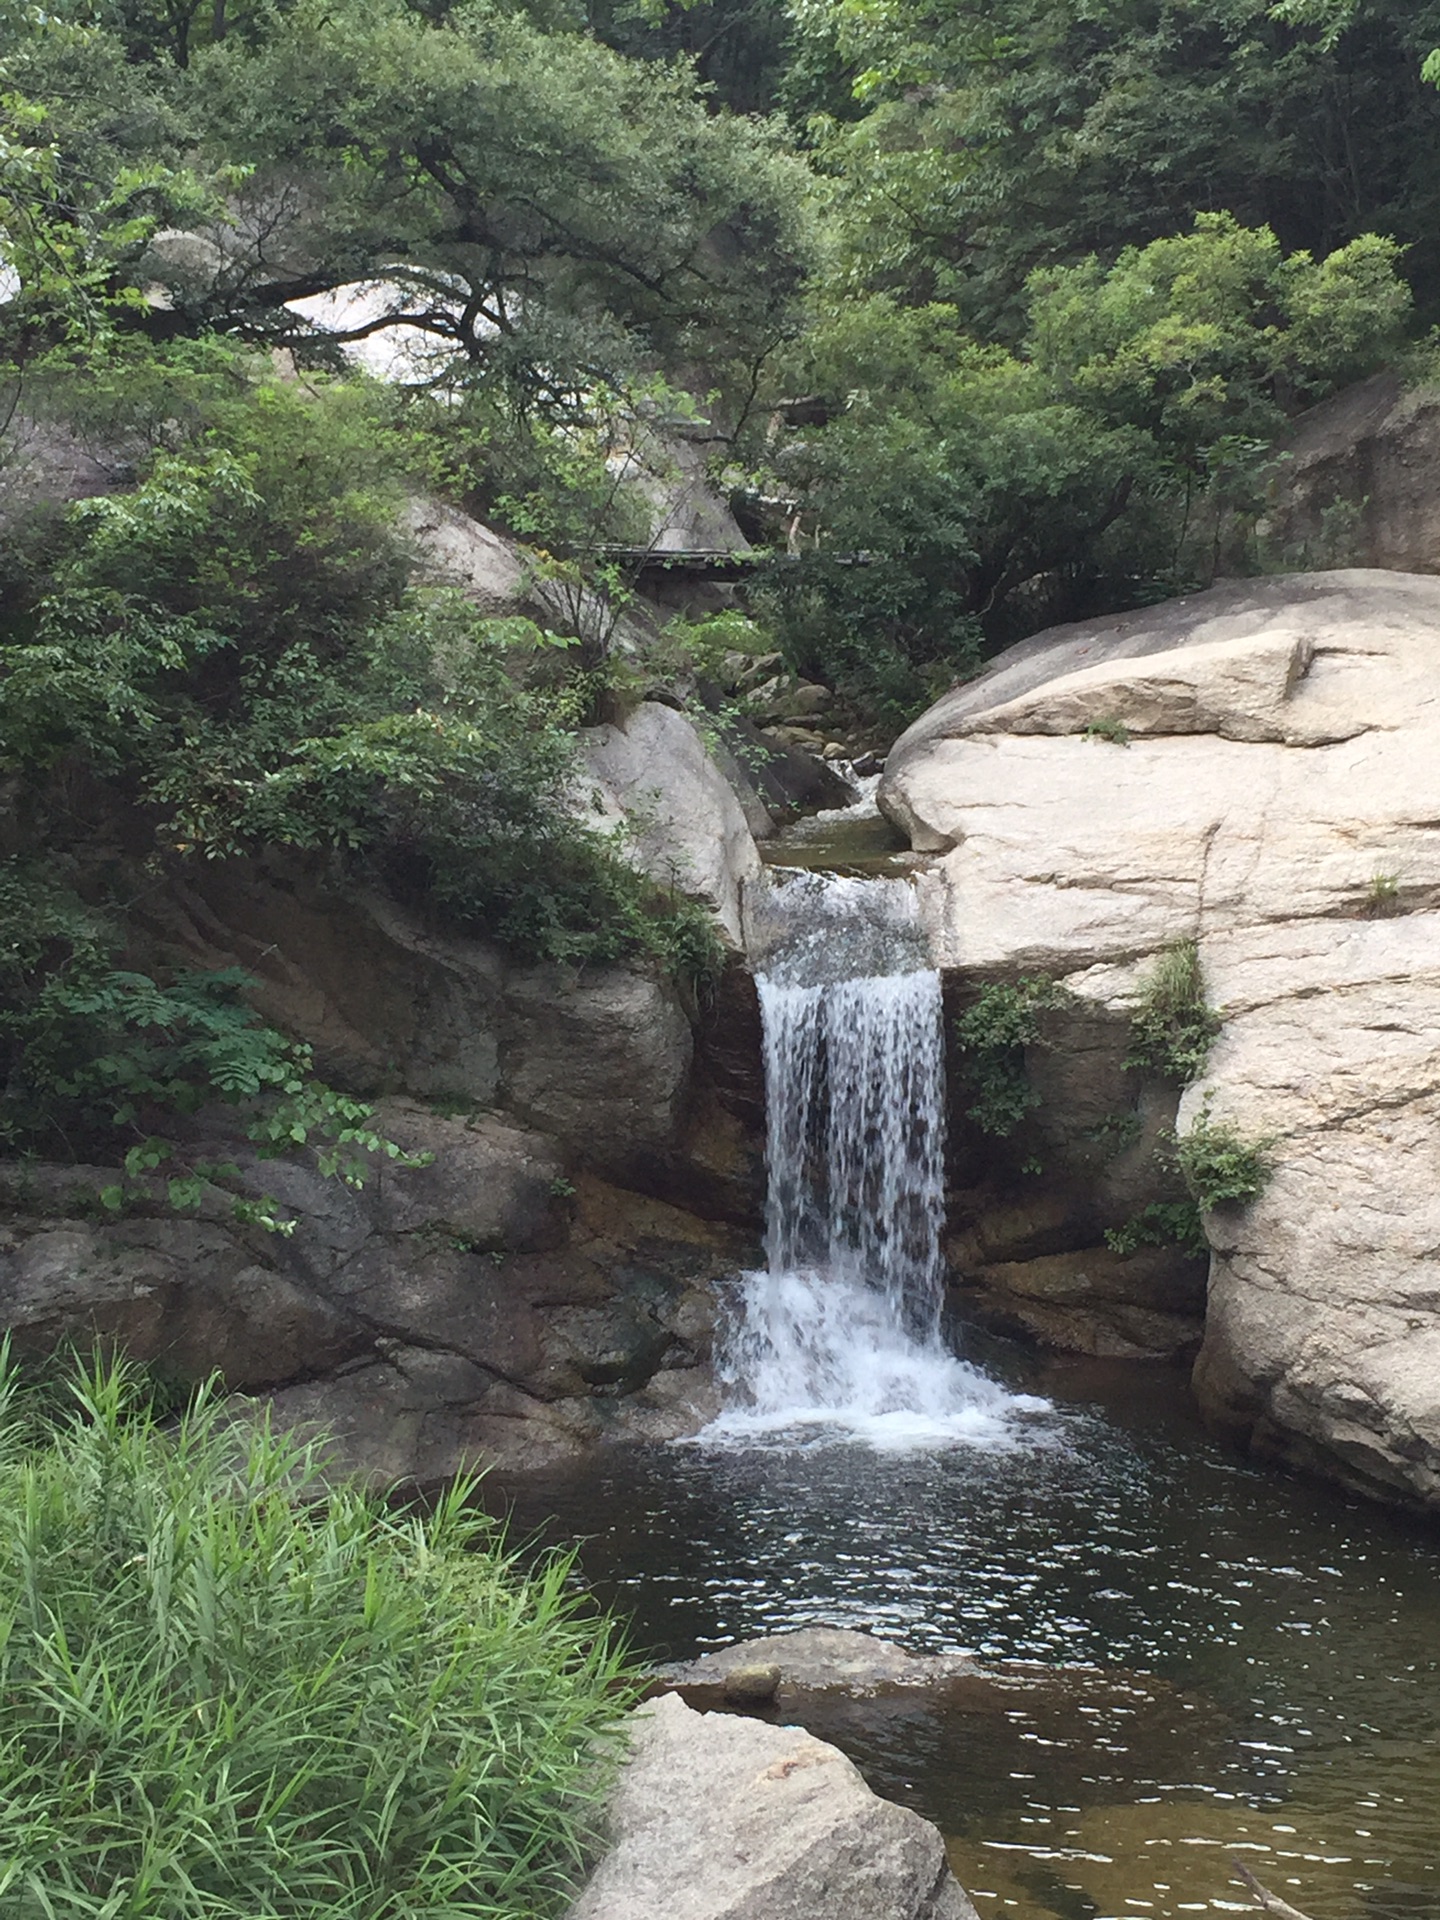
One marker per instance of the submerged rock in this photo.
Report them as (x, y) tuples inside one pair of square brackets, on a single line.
[(721, 1818), (812, 1659), (1256, 768), (752, 1686)]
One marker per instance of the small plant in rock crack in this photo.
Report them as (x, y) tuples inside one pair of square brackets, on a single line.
[(1173, 1028), (1220, 1165), (1163, 1223), (1382, 897), (1115, 1132), (993, 1036), (1107, 727)]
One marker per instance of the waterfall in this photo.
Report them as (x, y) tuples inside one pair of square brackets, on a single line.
[(840, 1335), (855, 1080)]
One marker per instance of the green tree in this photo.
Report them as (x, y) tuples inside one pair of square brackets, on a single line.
[(960, 495), (545, 209), (1000, 138)]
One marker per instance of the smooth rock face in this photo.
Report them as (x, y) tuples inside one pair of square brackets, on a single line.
[(1279, 802), (687, 828), (720, 1818), (602, 1061), (1360, 482)]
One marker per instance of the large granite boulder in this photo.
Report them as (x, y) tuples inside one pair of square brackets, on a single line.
[(1256, 768), (651, 778), (600, 1058), (721, 1818)]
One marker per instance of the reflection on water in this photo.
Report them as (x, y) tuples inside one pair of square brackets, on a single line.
[(1258, 1657)]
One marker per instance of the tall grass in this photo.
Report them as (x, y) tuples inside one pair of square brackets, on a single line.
[(228, 1692)]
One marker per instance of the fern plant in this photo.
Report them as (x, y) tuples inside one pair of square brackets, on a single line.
[(98, 1055)]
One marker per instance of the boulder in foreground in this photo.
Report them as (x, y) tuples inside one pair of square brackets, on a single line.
[(716, 1817)]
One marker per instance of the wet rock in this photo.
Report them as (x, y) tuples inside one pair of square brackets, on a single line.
[(381, 1318), (1148, 1305), (813, 1658), (751, 1686), (720, 1818)]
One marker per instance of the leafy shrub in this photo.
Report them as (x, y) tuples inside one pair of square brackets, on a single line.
[(228, 1688), (232, 644), (1163, 1223), (1219, 1164), (1173, 1029), (91, 1053), (263, 513), (1115, 1132), (993, 1036)]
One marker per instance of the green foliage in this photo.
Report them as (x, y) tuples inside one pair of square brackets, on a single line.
[(1214, 335), (229, 1687), (95, 1055), (961, 494), (1382, 896), (1163, 1223), (993, 1036), (1222, 1166), (1107, 728), (232, 643), (1115, 1132), (552, 215), (1173, 1028), (994, 140)]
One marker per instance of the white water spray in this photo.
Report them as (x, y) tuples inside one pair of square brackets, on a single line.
[(840, 1336)]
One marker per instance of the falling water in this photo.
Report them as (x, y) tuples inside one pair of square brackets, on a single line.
[(840, 1334)]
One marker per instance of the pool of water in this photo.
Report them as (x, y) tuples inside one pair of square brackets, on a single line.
[(852, 840), (1221, 1662)]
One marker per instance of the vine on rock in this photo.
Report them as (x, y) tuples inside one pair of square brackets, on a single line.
[(994, 1034)]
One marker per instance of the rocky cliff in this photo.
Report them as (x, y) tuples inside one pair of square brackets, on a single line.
[(1257, 769), (592, 1135), (541, 1283)]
